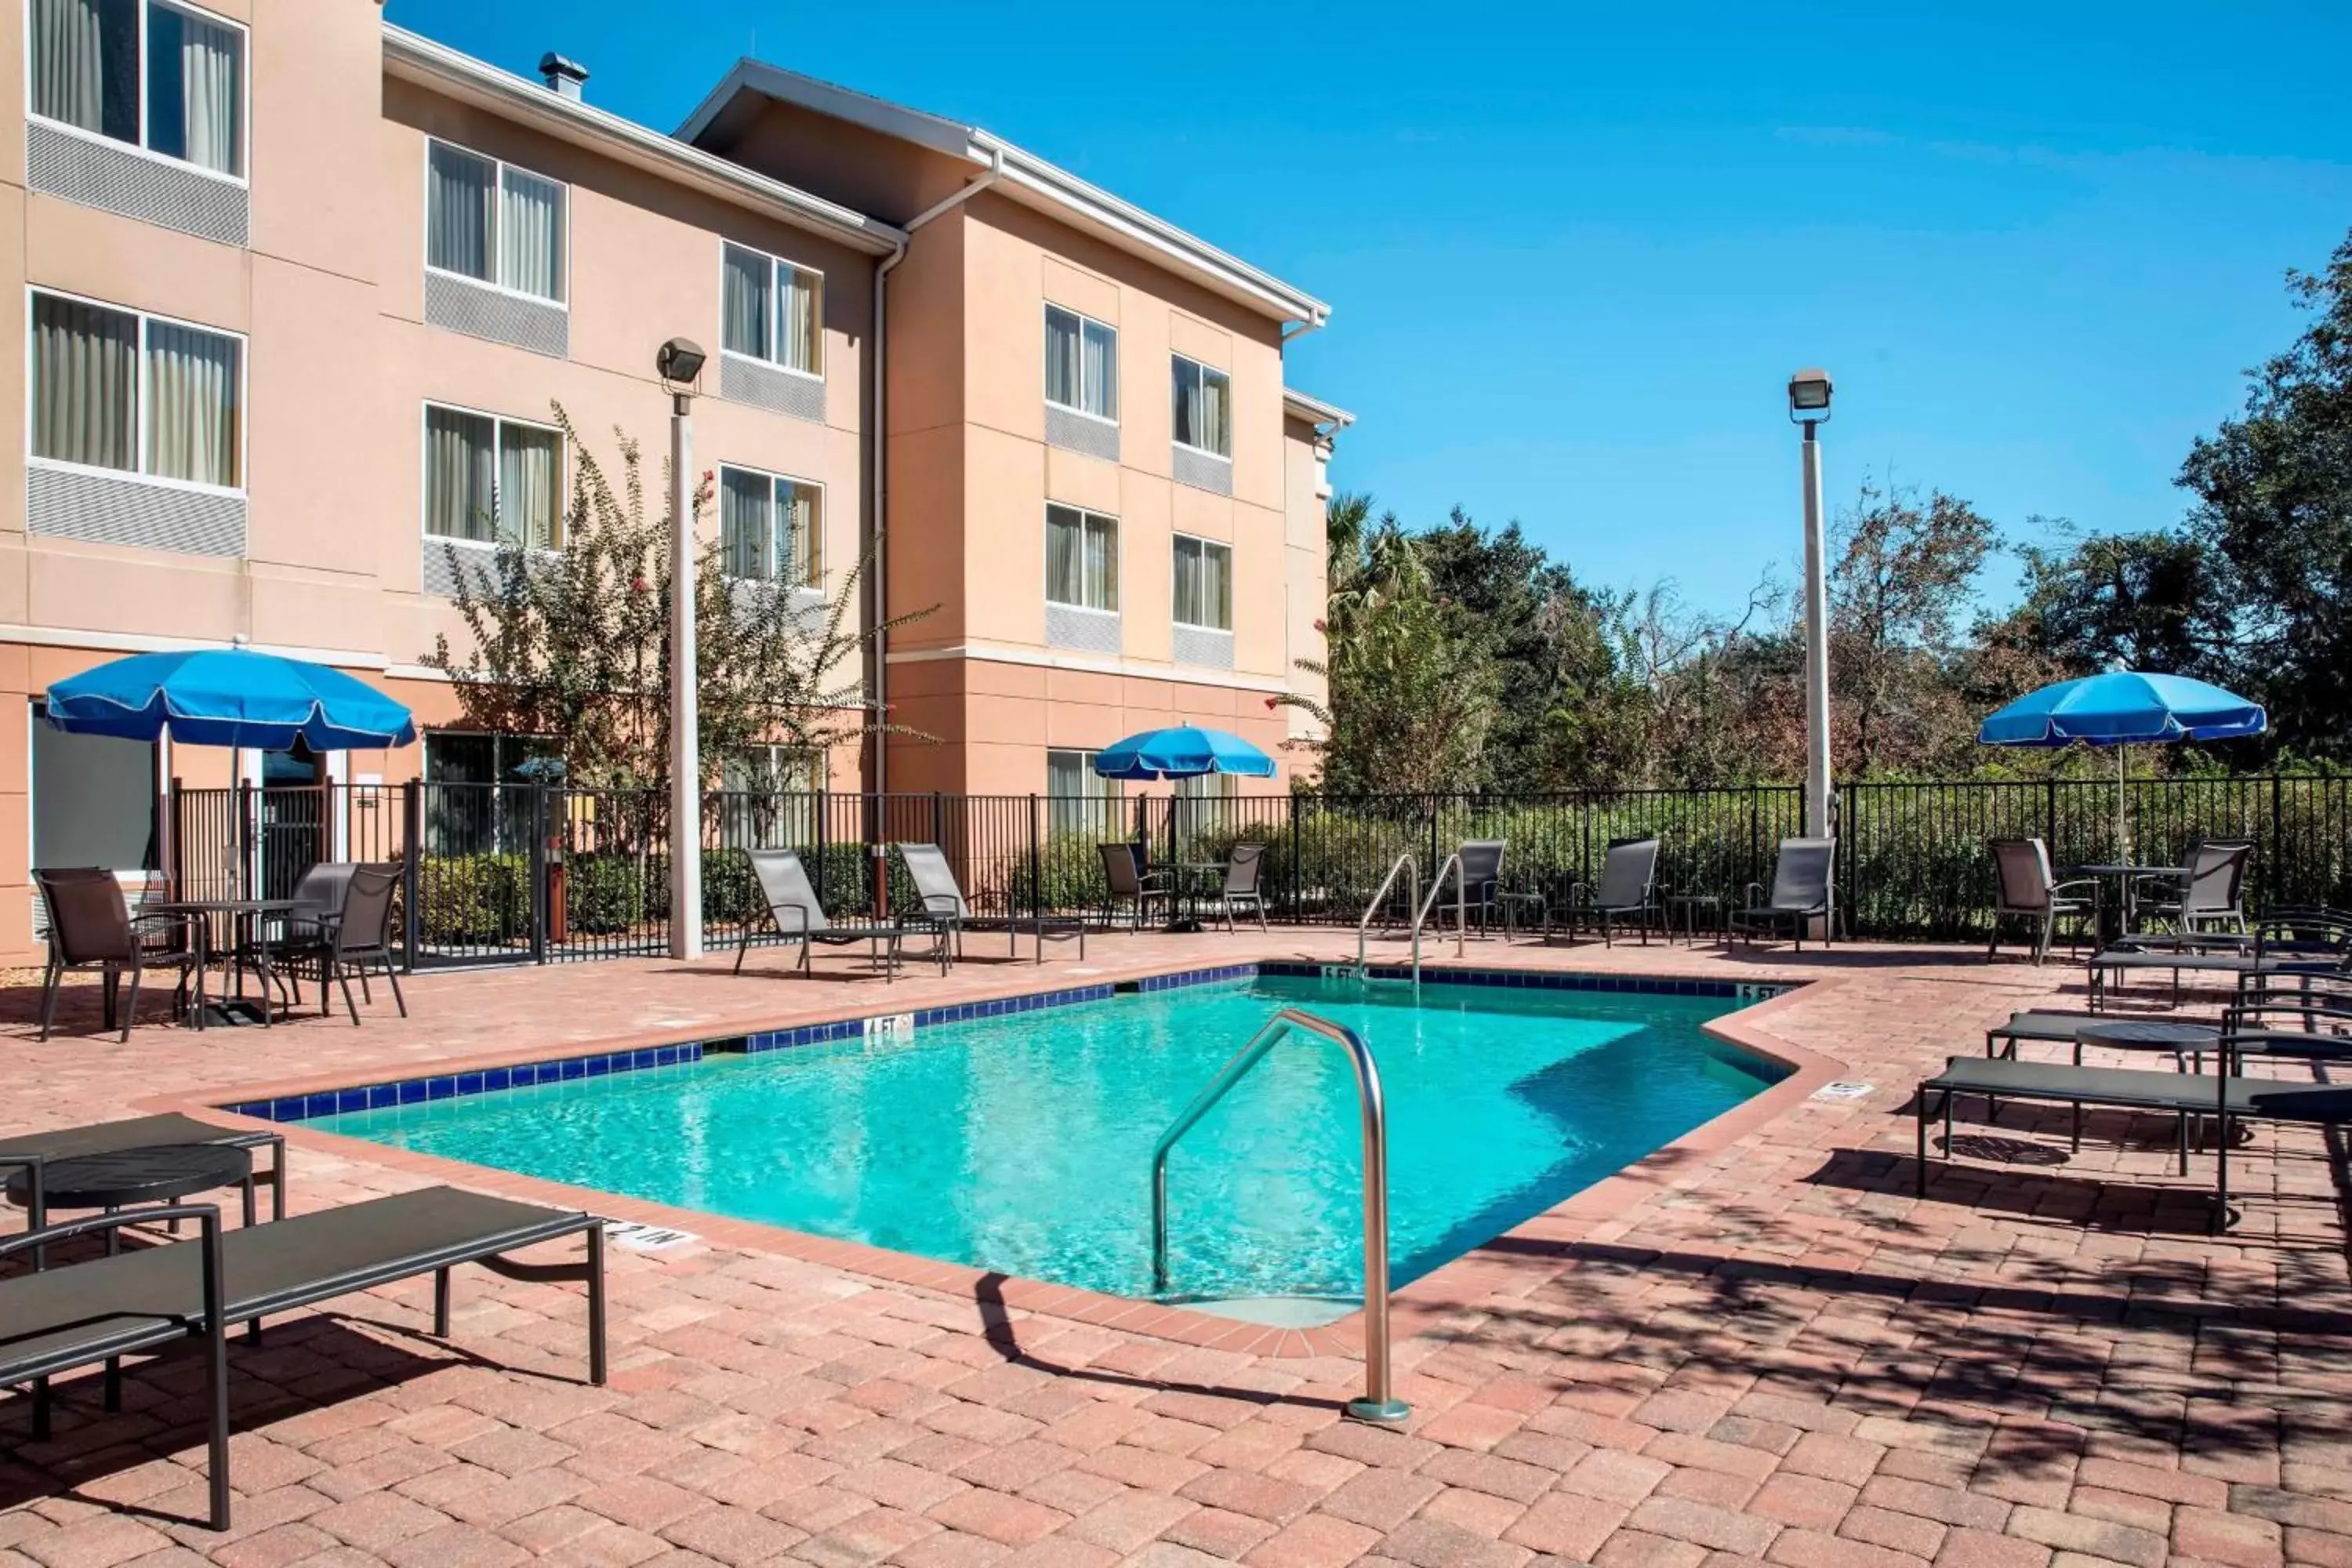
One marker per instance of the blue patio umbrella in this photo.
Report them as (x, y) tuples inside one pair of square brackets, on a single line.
[(1183, 753), (229, 697), (2123, 708)]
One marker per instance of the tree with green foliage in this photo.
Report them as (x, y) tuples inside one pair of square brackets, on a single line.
[(573, 644), (1906, 566)]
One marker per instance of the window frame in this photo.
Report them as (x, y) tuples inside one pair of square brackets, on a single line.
[(1086, 515), (139, 433), (243, 178), (1085, 321), (1066, 813), (816, 560), (1176, 540), (775, 316), (498, 423), (1175, 360), (498, 167)]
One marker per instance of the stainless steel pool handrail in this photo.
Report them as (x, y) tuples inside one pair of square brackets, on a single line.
[(1406, 864), (1461, 911), (1379, 1404)]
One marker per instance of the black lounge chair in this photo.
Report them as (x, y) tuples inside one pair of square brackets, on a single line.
[(2315, 944), (92, 928), (30, 1151), (1629, 887), (1800, 892), (1131, 884), (1243, 887), (948, 911), (2230, 1096), (1482, 879), (83, 1314), (798, 917)]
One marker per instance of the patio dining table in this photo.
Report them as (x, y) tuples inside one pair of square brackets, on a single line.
[(251, 919), (2126, 877)]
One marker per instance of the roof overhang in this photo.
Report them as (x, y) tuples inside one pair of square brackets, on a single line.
[(413, 58), (1315, 411), (1027, 179)]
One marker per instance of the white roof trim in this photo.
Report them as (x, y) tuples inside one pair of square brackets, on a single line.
[(1314, 410), (414, 58), (1027, 178)]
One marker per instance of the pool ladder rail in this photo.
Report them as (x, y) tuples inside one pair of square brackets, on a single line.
[(1421, 908), (1379, 1403)]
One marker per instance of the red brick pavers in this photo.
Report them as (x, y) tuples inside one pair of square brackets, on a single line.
[(1756, 1347)]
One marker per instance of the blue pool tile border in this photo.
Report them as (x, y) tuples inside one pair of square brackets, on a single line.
[(566, 1069)]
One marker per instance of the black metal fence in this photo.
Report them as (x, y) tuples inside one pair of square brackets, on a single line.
[(530, 872)]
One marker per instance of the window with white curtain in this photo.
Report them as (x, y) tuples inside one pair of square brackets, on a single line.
[(488, 480), (1205, 584), (1081, 363), (139, 394), (1203, 407), (772, 310), (1081, 559), (1079, 799), (151, 73), (771, 526), (493, 223)]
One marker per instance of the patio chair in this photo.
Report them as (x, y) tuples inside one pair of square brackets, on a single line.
[(1131, 885), (2025, 889), (793, 909), (359, 939), (1482, 879), (92, 928), (1628, 886), (1800, 892), (2210, 887), (85, 1313), (1243, 886), (945, 908), (304, 930)]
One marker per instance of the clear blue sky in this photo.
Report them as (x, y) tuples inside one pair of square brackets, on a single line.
[(1574, 251)]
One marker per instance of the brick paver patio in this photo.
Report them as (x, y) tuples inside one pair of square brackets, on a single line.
[(1757, 1346)]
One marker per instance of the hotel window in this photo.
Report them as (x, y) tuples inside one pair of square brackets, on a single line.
[(1079, 799), (1081, 559), (770, 527), (493, 223), (163, 77), (1081, 363), (488, 480), (117, 389), (774, 311), (1205, 584), (1203, 407)]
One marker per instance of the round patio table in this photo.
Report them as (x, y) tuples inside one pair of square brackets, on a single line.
[(2179, 1041), (2124, 877)]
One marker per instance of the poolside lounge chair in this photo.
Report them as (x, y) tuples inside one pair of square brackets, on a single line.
[(1800, 892), (2314, 943), (92, 928), (2230, 1096), (945, 907), (84, 1313), (1243, 885), (1628, 886), (1482, 879), (1129, 884), (2210, 889), (798, 917), (2025, 889)]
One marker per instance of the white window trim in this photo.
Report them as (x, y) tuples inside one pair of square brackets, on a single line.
[(1117, 531), (823, 504), (498, 458), (139, 475), (1224, 545), (776, 321), (498, 167), (243, 181), (1206, 451), (1084, 320)]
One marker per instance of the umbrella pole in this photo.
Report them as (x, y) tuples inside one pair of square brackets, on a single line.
[(2123, 793)]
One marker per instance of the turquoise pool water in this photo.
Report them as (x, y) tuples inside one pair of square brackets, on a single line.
[(1023, 1143)]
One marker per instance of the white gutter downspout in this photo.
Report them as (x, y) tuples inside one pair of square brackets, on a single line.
[(879, 590)]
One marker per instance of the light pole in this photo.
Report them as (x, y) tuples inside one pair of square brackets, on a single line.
[(677, 363), (1809, 405)]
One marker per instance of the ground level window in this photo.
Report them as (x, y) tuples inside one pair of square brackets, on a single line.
[(771, 798), (1079, 799), (477, 791), (94, 800)]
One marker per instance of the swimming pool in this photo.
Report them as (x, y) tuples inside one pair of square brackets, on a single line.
[(1023, 1143)]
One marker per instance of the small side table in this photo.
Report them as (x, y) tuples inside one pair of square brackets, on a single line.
[(1689, 906), (1536, 918)]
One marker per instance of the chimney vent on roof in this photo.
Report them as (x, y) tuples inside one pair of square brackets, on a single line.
[(563, 76)]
